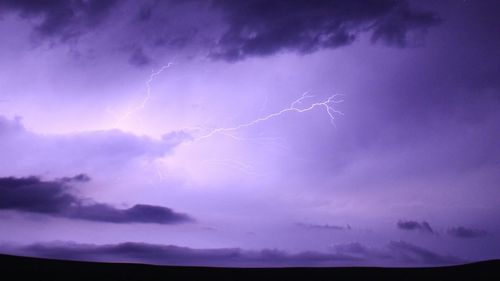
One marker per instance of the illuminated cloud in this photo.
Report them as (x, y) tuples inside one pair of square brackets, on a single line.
[(87, 151)]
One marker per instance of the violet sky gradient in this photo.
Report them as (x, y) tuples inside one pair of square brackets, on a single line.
[(101, 160)]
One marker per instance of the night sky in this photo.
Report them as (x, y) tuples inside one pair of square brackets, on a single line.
[(251, 133)]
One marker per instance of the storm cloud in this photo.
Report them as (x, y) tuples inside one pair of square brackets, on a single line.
[(54, 198), (261, 28), (60, 18), (237, 29)]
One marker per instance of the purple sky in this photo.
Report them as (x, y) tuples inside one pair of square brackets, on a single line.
[(174, 132)]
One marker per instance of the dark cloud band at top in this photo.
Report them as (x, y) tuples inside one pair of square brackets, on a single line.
[(261, 28), (61, 18), (239, 29)]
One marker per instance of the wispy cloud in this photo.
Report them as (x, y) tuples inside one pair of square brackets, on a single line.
[(423, 226)]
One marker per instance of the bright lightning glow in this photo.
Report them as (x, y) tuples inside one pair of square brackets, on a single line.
[(296, 106), (246, 168), (146, 98), (326, 104), (249, 169)]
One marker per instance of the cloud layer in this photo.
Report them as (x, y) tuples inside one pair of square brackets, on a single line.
[(235, 30), (54, 198), (261, 28)]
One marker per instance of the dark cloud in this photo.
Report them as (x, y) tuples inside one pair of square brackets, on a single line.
[(261, 27), (31, 194), (413, 225), (175, 255), (400, 253), (138, 213), (145, 12), (139, 58), (61, 18), (324, 226), (464, 232), (232, 30)]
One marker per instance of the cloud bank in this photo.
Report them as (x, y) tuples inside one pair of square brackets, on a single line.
[(54, 198), (228, 30), (261, 28)]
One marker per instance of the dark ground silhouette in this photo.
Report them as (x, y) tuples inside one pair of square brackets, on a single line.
[(24, 268)]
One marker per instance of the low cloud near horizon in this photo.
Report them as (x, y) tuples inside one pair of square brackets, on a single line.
[(398, 253), (55, 198)]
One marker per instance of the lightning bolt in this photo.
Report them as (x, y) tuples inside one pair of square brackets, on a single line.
[(141, 105), (249, 169), (326, 104)]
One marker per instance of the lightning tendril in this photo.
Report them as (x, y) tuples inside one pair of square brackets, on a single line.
[(327, 104), (147, 96)]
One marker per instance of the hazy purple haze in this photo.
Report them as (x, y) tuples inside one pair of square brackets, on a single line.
[(167, 131)]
